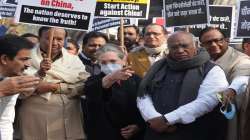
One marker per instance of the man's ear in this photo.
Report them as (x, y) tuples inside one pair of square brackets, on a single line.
[(4, 59), (227, 40), (246, 46), (137, 38)]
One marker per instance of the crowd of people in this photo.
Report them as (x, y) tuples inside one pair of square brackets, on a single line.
[(158, 86)]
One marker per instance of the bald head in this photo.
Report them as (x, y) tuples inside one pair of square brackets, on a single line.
[(181, 46), (180, 35)]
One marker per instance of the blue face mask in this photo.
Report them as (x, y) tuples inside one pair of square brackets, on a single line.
[(228, 112), (110, 68)]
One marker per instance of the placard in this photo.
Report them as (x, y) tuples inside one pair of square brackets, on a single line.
[(73, 14)]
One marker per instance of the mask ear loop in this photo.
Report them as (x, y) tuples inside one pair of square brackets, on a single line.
[(225, 107)]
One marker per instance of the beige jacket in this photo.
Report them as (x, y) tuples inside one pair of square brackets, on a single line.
[(55, 116), (245, 116), (140, 62), (235, 63)]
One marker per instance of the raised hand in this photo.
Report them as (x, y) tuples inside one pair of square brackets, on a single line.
[(18, 84), (45, 65)]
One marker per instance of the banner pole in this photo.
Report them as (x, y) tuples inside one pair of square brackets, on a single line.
[(108, 33), (121, 32), (122, 36), (187, 29), (51, 35)]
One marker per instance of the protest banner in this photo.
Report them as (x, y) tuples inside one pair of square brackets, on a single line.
[(105, 23), (185, 12), (73, 14), (7, 11), (7, 8), (159, 20), (243, 19), (14, 2), (122, 8), (155, 10), (223, 20)]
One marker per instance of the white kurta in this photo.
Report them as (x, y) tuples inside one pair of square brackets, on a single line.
[(214, 82), (55, 116), (7, 115)]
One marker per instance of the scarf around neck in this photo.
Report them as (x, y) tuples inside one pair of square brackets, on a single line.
[(157, 50), (157, 71)]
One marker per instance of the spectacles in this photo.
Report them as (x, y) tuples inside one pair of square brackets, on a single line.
[(176, 47), (152, 33), (209, 42)]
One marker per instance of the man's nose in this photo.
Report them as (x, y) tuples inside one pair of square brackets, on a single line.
[(97, 47), (27, 63), (180, 50), (213, 43), (54, 42), (126, 35)]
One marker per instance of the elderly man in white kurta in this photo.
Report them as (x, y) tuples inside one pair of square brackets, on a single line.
[(54, 113)]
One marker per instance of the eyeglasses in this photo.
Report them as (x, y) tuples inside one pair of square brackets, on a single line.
[(176, 47), (152, 33), (209, 42)]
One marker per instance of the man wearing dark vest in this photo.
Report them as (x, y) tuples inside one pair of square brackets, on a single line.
[(177, 97)]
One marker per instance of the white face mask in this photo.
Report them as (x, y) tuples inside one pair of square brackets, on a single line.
[(110, 68)]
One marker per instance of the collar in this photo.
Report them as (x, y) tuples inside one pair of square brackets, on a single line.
[(225, 56), (84, 56), (154, 52), (44, 54), (87, 58)]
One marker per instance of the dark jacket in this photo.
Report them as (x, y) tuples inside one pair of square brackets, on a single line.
[(109, 110), (90, 67)]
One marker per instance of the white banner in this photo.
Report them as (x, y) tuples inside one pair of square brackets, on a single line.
[(73, 14)]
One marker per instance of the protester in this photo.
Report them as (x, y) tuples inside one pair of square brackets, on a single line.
[(91, 42), (237, 68), (3, 30), (154, 49), (53, 113), (131, 37), (14, 59), (245, 128), (178, 94), (111, 99), (31, 37), (72, 47), (141, 41), (246, 46)]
